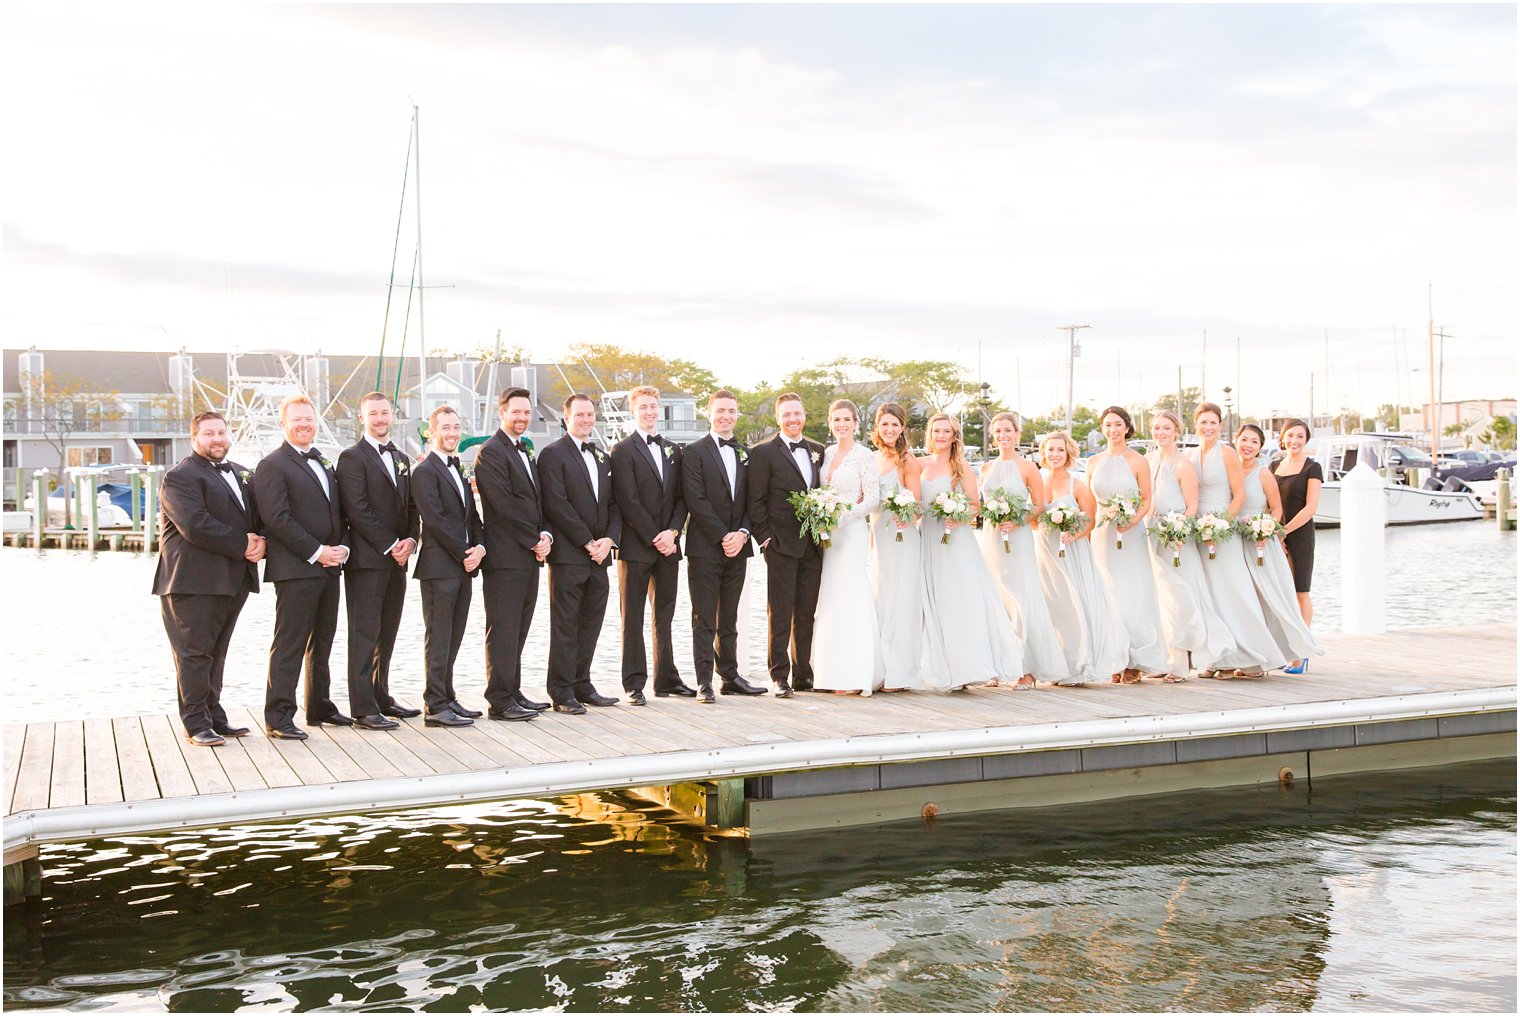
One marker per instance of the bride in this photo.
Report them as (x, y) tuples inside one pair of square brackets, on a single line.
[(846, 620)]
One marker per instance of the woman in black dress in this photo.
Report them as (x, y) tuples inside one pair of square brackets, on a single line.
[(1299, 478)]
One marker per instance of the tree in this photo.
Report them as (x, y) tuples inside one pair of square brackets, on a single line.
[(1191, 397), (593, 367), (57, 406), (1501, 434)]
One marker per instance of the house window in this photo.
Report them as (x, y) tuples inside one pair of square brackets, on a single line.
[(88, 455)]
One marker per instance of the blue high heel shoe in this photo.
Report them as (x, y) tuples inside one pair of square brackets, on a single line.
[(1302, 668)]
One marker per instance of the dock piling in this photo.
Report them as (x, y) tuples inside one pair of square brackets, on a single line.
[(1502, 502), (39, 506), (1364, 515)]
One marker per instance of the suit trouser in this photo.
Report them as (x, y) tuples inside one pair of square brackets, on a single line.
[(305, 623), (445, 612), (511, 596), (577, 605), (715, 585), (656, 582), (375, 598), (199, 627), (791, 600)]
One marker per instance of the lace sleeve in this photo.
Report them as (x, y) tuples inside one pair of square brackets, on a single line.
[(870, 486)]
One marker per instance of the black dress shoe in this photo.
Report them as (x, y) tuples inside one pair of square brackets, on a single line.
[(289, 732), (375, 722), (401, 712), (572, 707), (336, 719), (739, 686), (227, 730), (705, 694), (597, 699), (681, 690), (783, 690), (460, 710), (206, 738), (513, 711), (528, 703), (799, 686), (636, 698), (447, 718)]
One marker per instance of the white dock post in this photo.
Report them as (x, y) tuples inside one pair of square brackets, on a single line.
[(93, 507), (39, 502), (150, 510), (1364, 515)]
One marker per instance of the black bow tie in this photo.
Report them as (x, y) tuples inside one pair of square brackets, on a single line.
[(388, 447), (794, 445), (453, 461), (312, 454), (653, 439), (588, 448), (222, 467), (728, 441)]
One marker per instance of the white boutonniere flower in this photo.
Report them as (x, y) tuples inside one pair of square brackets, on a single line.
[(401, 466), (743, 455), (246, 475), (326, 464), (599, 455), (816, 458), (670, 452)]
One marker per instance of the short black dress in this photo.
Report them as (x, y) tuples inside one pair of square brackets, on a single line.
[(1300, 542)]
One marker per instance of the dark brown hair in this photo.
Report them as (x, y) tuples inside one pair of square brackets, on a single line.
[(1123, 414), (1287, 427), (509, 394), (575, 397), (1260, 435), (721, 393), (209, 414)]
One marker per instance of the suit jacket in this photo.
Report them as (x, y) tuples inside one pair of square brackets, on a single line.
[(715, 512), (576, 516), (204, 532), (510, 500), (774, 477), (377, 511), (649, 503), (450, 526), (298, 517)]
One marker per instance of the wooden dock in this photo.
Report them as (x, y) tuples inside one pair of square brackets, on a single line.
[(1416, 697)]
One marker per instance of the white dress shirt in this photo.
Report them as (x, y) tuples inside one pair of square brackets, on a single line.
[(527, 460), (654, 450), (730, 459), (802, 458), (589, 457), (458, 481), (390, 464), (232, 481), (316, 467)]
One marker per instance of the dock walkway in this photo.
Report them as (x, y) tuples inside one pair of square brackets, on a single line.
[(82, 779)]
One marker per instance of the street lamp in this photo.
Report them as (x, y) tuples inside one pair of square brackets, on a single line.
[(984, 402), (1229, 412), (1072, 352)]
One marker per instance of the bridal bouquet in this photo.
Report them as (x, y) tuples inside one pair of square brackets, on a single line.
[(1260, 527), (951, 506), (1213, 530), (1064, 518), (819, 510), (902, 506), (1173, 530), (1119, 510), (999, 505)]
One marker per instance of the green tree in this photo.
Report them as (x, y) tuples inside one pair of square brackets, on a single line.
[(592, 367), (1501, 433), (57, 406), (1191, 397)]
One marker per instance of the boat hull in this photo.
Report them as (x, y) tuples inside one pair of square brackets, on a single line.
[(1407, 506)]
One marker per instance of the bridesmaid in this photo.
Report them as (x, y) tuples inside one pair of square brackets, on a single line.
[(1221, 491), (896, 568), (1299, 478), (968, 637), (1120, 470), (1084, 615), (1017, 573), (1274, 579), (1195, 635)]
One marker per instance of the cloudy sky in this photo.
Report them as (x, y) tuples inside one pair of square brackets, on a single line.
[(761, 187)]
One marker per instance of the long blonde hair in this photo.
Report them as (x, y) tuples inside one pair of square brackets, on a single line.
[(959, 470), (896, 452)]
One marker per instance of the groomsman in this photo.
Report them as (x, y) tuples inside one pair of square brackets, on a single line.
[(779, 467), (518, 540), (585, 524), (374, 486), (453, 546), (714, 478), (207, 566), (297, 494), (646, 481)]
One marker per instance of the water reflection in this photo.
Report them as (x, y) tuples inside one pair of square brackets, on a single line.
[(1241, 899)]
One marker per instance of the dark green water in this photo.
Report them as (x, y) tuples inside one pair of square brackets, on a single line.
[(1368, 893)]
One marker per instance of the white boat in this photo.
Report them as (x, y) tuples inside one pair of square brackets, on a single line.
[(1402, 465)]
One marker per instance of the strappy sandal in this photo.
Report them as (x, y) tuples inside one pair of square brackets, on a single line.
[(1019, 685), (1173, 679)]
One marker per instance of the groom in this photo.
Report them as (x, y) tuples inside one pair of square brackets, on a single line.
[(785, 464)]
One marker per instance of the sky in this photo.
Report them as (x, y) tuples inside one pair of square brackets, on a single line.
[(1247, 194)]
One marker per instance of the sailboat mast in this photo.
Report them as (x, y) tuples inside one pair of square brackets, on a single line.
[(421, 320), (1434, 416)]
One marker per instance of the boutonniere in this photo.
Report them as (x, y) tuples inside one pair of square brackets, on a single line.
[(246, 475), (670, 452), (599, 455), (743, 455), (817, 456), (401, 466), (326, 464)]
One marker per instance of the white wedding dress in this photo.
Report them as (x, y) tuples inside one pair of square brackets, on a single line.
[(845, 641)]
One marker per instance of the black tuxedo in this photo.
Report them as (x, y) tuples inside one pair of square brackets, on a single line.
[(650, 501), (577, 515), (794, 564), (203, 579), (377, 507), (509, 499), (714, 580), (450, 527), (299, 517)]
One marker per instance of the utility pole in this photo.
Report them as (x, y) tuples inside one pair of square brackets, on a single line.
[(1071, 367), (1441, 376), (1434, 416)]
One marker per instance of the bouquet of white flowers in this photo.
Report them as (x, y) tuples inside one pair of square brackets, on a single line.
[(1000, 505), (1064, 518), (951, 506), (902, 506), (819, 510), (1260, 527), (1213, 530), (1173, 530), (1119, 510)]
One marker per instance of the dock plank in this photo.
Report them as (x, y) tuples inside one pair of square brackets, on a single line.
[(332, 756), (102, 768), (67, 777), (174, 778), (367, 749), (241, 770), (410, 736), (203, 764), (15, 739), (138, 782), (273, 768), (35, 778)]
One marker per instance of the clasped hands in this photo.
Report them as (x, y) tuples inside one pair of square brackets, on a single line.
[(665, 543), (256, 547), (599, 549)]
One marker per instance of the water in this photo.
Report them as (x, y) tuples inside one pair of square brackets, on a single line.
[(1389, 891)]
